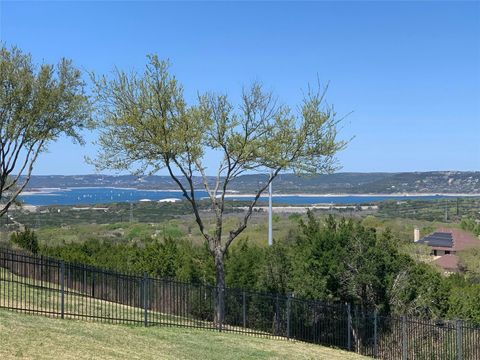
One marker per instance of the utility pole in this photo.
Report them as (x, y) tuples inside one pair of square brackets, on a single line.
[(270, 235), (446, 213), (131, 212)]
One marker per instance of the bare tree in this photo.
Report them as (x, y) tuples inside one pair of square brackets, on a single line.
[(146, 125)]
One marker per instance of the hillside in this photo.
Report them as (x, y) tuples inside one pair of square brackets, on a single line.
[(27, 337), (453, 182)]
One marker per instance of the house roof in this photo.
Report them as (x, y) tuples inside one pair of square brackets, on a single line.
[(438, 239), (450, 239), (447, 262)]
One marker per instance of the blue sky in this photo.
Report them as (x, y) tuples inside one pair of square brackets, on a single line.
[(409, 71)]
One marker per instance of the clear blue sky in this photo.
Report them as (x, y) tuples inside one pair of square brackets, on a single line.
[(409, 71)]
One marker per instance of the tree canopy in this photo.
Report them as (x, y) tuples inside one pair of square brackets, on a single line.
[(38, 104), (147, 125)]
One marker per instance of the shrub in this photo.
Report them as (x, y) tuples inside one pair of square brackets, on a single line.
[(26, 240)]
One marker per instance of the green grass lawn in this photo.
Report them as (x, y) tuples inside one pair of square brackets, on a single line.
[(17, 292), (37, 337)]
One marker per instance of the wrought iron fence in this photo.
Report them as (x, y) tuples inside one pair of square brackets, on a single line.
[(51, 287)]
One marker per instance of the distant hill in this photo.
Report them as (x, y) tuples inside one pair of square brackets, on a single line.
[(453, 182)]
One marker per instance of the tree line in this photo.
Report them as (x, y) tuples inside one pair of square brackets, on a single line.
[(334, 260)]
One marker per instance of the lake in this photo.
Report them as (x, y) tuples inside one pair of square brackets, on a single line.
[(86, 196)]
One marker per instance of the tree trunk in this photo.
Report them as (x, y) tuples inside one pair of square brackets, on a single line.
[(220, 290)]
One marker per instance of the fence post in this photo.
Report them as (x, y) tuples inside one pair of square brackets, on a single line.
[(459, 340), (404, 338), (289, 301), (145, 299), (349, 327), (375, 334), (62, 289), (244, 304), (84, 287), (277, 318), (93, 283), (221, 307)]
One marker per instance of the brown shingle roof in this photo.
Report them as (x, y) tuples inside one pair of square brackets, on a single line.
[(461, 239), (447, 262)]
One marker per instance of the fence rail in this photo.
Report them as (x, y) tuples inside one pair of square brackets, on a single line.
[(51, 287)]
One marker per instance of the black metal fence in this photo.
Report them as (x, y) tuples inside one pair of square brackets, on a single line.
[(40, 285)]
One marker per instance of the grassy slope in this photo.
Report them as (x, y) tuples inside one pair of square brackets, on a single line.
[(23, 293), (36, 337)]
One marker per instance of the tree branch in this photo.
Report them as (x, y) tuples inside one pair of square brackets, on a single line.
[(22, 187), (190, 199), (234, 233)]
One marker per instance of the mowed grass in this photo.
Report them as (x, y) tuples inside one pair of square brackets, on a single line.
[(36, 337), (29, 296), (33, 295)]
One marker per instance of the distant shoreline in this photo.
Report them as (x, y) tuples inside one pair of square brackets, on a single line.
[(358, 195), (45, 191), (234, 193)]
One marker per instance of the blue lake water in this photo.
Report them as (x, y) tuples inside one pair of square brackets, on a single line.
[(85, 196)]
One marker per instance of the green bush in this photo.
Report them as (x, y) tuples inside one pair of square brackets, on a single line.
[(26, 240), (471, 225), (294, 217)]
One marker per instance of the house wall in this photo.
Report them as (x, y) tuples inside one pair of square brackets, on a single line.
[(442, 252)]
